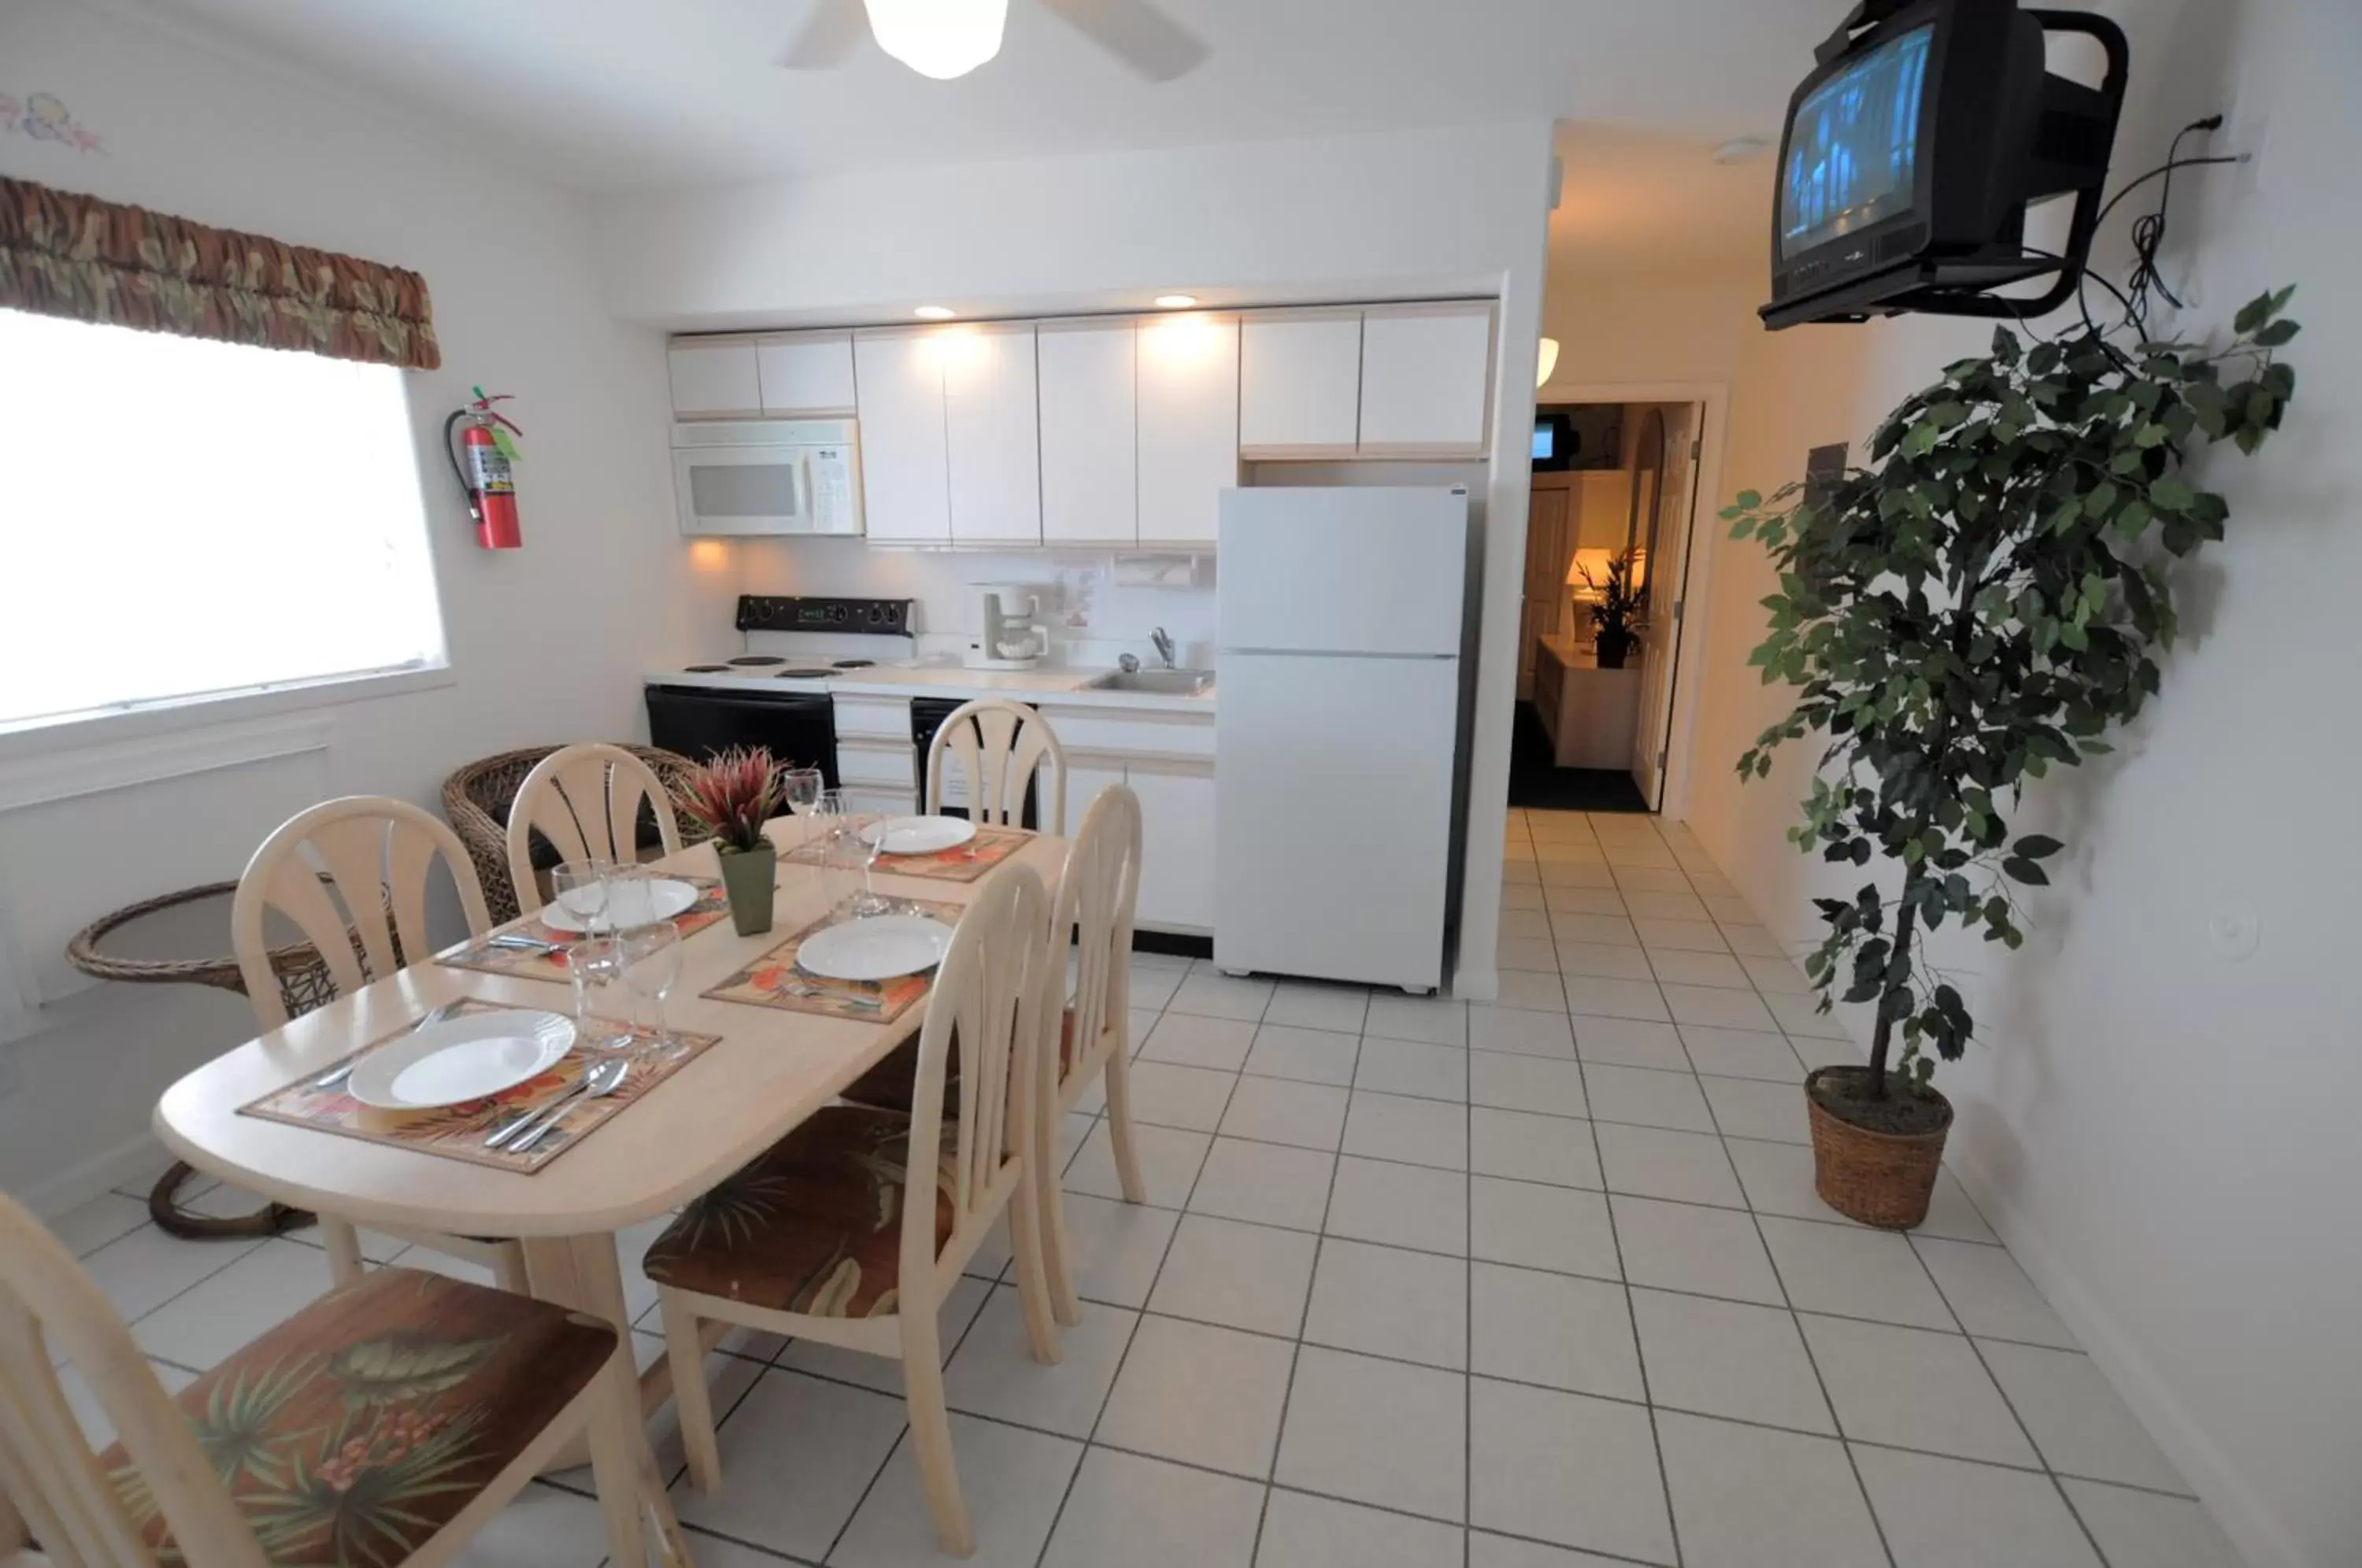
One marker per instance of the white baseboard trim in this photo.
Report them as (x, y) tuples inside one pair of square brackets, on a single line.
[(78, 1184)]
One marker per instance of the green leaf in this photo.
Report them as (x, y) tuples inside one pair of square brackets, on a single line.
[(2252, 315), (2275, 334), (2038, 846), (2018, 870), (2173, 493)]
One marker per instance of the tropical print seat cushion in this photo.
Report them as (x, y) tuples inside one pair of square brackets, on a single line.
[(888, 1086), (813, 1225), (353, 1432)]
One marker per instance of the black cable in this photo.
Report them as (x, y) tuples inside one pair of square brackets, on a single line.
[(2149, 235), (2157, 172)]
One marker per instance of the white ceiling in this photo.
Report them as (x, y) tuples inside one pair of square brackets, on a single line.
[(610, 95), (1655, 203)]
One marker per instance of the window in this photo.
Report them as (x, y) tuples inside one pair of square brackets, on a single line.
[(181, 518)]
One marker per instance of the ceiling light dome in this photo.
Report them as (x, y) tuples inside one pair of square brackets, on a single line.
[(942, 38)]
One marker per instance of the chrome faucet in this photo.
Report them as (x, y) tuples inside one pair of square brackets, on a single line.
[(1164, 641), (1128, 663)]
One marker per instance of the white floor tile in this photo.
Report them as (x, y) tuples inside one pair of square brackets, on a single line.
[(1726, 1358), (1501, 1551), (1218, 995), (1203, 1396), (883, 1373), (1742, 1054), (1525, 1082), (1602, 960), (1667, 906), (1911, 1388), (1536, 1226), (1854, 1271), (1516, 869), (1012, 1479), (1615, 999), (1778, 1178), (1304, 1531), (1530, 923), (1951, 1215), (1165, 1095), (1629, 1042), (1570, 1333), (1665, 878), (543, 1528), (994, 1372), (1745, 1497), (221, 1314), (143, 1270), (1990, 1294), (1522, 989), (1169, 1159), (1437, 1020), (2141, 1529), (1526, 1147), (1800, 1017), (1775, 977), (1650, 1162), (1387, 1301), (1113, 1248), (1567, 1468), (819, 1446), (1520, 897), (1687, 967), (1948, 1513), (1242, 1277), (1416, 1131), (1154, 983), (1401, 1206), (1377, 1432), (2076, 1419), (1717, 1006), (1404, 1067), (1308, 1004), (1277, 1110), (90, 1226), (1679, 1246), (1139, 1021), (1306, 1055), (1523, 1034), (1266, 1183), (1606, 931), (1750, 1108), (1144, 1513), (1576, 873), (1646, 1098), (82, 1402), (1194, 1040), (1585, 901), (1526, 955)]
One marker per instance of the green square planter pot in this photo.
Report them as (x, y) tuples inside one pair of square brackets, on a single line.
[(750, 877)]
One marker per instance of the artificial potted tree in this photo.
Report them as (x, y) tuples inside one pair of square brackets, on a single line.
[(732, 796), (1980, 605), (1615, 606)]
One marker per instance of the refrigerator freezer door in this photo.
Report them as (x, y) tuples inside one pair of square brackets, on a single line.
[(1342, 570), (1332, 817)]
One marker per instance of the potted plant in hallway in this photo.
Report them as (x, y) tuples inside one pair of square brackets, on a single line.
[(1615, 607), (1980, 605), (732, 796)]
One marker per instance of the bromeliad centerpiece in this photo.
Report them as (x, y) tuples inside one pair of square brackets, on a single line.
[(732, 796)]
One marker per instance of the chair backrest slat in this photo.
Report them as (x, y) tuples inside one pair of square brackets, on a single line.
[(377, 854), (585, 800), (1098, 893), (998, 746)]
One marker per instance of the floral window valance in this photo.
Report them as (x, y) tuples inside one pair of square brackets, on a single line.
[(75, 256)]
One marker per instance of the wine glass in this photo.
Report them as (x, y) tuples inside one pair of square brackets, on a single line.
[(584, 888), (601, 996), (801, 788), (651, 958), (631, 898)]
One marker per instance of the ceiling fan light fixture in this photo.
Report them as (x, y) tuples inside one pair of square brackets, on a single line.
[(934, 312), (940, 38), (1175, 302)]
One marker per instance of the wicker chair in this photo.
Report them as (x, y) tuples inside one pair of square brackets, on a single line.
[(476, 797)]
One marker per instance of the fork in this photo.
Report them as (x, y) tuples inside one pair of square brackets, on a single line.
[(334, 1078)]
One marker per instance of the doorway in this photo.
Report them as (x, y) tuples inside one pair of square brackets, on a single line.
[(1608, 543)]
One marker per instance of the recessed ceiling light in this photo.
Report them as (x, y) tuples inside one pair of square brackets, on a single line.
[(1739, 149), (1176, 302), (934, 312)]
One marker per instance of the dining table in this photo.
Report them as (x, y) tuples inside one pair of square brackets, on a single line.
[(767, 1070)]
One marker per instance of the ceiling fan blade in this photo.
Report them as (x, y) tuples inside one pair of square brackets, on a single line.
[(832, 30), (1136, 33)]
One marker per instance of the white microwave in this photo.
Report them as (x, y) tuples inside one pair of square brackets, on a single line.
[(768, 476)]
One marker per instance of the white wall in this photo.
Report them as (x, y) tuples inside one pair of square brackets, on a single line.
[(2164, 1136), (1618, 330), (547, 644), (1405, 215)]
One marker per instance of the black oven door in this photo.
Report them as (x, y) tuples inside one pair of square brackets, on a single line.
[(798, 728)]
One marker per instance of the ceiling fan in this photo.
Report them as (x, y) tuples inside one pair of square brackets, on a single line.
[(943, 39)]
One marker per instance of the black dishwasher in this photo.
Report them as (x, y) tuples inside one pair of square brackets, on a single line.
[(798, 728), (927, 716)]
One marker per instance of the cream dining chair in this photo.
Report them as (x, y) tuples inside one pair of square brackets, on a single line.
[(585, 800), (819, 1237), (382, 1425), (377, 854), (998, 746)]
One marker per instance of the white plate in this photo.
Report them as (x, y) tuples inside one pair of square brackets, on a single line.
[(464, 1058), (880, 948), (631, 901), (919, 835)]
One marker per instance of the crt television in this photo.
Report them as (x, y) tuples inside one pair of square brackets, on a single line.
[(1912, 152)]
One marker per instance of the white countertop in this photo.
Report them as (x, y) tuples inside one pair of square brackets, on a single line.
[(1066, 687)]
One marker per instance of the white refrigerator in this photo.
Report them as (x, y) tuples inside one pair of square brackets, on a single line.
[(1340, 637)]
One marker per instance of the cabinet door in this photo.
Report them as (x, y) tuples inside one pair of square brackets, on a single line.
[(905, 463), (713, 380), (1300, 385), (1083, 786), (1427, 380), (1176, 854), (806, 374), (1189, 378), (993, 434), (1091, 468)]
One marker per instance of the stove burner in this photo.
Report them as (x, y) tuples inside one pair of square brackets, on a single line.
[(706, 669), (758, 659), (799, 675), (855, 663)]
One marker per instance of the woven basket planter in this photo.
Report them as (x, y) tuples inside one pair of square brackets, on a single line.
[(1879, 1178)]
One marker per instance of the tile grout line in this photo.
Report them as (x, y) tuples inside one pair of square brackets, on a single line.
[(1656, 1442)]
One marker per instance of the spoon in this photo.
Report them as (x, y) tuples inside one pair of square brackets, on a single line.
[(602, 1079)]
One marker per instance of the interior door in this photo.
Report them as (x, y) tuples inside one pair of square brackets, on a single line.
[(1664, 499), (1548, 549)]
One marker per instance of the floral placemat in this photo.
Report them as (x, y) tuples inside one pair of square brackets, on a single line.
[(458, 1132), (774, 981), (547, 961), (961, 863)]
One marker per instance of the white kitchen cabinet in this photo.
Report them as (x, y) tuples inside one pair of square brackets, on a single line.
[(1427, 380), (1300, 384), (992, 433), (1188, 425), (1084, 782), (714, 380), (805, 375), (1176, 837), (905, 450), (1090, 454)]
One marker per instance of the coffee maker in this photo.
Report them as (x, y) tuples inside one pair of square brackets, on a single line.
[(1005, 631)]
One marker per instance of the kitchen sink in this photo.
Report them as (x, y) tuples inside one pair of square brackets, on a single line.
[(1169, 682)]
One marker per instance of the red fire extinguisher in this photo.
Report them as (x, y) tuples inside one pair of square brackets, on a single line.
[(484, 466)]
